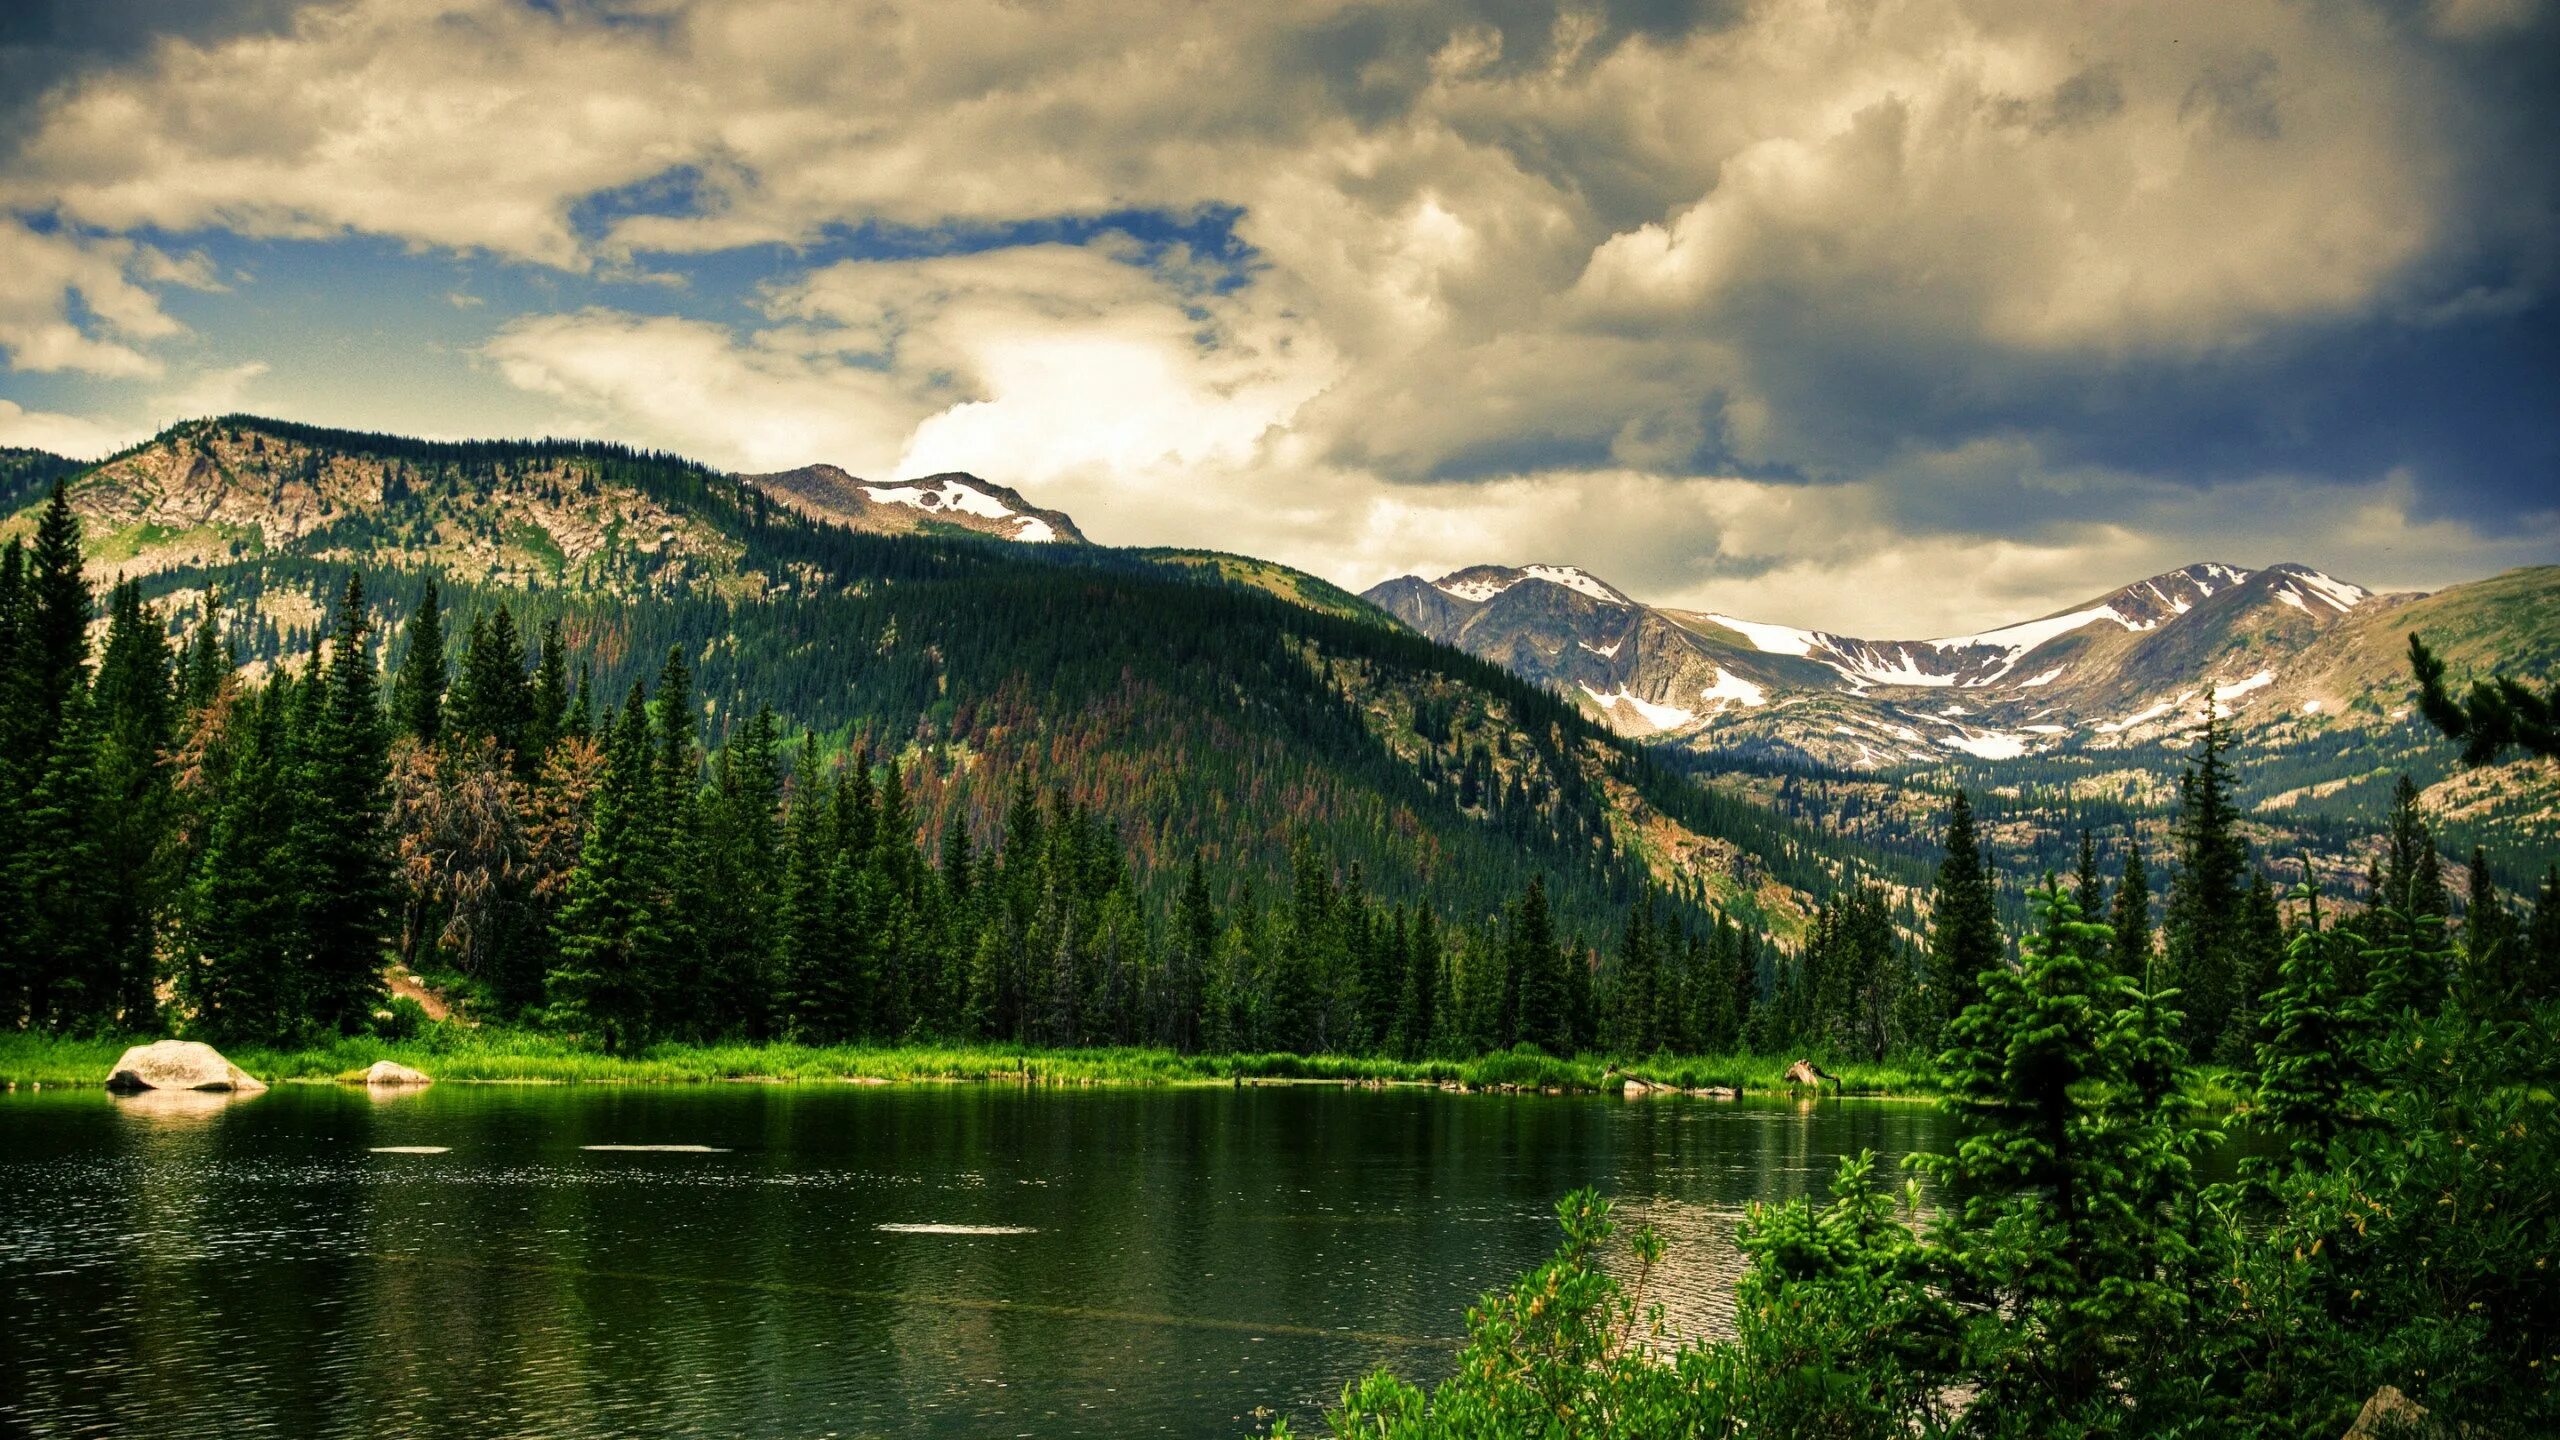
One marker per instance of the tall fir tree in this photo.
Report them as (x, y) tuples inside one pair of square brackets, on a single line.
[(1964, 923), (2206, 929), (343, 831), (417, 691)]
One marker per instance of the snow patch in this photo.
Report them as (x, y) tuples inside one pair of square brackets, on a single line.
[(2238, 688), (2046, 678), (2138, 717), (2337, 592), (1732, 687), (1035, 531), (1659, 716), (2027, 636), (949, 495), (2046, 729), (1610, 650), (1581, 581), (2296, 601), (1770, 639), (1476, 590), (2310, 707), (1989, 747)]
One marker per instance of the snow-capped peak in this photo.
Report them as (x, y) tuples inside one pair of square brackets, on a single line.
[(952, 493), (2308, 584), (1480, 583)]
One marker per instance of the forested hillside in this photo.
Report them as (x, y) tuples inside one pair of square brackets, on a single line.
[(1194, 717)]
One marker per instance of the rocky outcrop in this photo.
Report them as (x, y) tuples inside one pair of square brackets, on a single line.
[(179, 1065), (392, 1072)]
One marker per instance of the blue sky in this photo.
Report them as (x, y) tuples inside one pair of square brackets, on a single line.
[(1915, 316)]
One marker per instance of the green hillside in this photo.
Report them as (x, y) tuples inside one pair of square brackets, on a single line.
[(1203, 704)]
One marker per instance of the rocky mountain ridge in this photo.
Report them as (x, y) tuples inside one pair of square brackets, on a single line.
[(949, 503), (2127, 668)]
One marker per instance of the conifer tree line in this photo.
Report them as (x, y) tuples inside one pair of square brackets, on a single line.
[(187, 844), (245, 855)]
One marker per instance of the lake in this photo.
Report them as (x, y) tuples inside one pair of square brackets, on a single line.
[(956, 1260)]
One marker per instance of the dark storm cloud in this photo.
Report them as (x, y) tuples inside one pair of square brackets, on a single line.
[(44, 43)]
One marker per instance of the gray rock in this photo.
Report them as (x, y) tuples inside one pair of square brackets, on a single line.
[(179, 1065), (392, 1072)]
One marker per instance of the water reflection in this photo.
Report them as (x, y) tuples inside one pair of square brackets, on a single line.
[(923, 1261), (165, 1107)]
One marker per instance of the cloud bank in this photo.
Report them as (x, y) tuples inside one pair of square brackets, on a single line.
[(1899, 314)]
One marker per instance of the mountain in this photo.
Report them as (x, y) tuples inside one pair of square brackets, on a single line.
[(2116, 670), (2096, 702), (1205, 705), (947, 504)]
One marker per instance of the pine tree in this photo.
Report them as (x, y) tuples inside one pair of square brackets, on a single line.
[(209, 662), (2493, 960), (55, 644), (1636, 985), (550, 722), (136, 719), (1542, 1005), (2038, 1228), (344, 829), (2087, 887), (417, 693), (1964, 927), (493, 699), (2311, 1081), (1189, 959), (599, 987), (242, 941), (2261, 955), (2130, 920), (2206, 916)]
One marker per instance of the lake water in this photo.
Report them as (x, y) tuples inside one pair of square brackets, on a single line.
[(899, 1261)]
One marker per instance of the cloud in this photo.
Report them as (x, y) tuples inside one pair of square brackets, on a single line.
[(1102, 375), (1761, 294), (220, 391), (66, 302), (77, 436)]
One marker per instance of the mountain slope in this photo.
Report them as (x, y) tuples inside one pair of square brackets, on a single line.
[(1186, 698)]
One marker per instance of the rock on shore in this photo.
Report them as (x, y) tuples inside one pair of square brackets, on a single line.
[(179, 1065), (392, 1072)]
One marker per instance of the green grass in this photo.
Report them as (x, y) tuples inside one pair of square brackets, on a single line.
[(488, 1054)]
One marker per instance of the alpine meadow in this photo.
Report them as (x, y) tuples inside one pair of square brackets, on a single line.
[(1601, 722)]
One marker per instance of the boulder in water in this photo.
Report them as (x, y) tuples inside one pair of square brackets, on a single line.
[(392, 1072), (179, 1065)]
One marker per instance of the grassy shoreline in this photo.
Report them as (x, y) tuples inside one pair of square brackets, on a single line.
[(498, 1056)]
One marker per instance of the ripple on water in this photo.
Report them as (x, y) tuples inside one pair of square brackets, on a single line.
[(937, 1228)]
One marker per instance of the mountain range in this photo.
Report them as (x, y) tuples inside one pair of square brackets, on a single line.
[(2285, 646), (1749, 763)]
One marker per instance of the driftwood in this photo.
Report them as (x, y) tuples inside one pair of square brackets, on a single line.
[(1805, 1072)]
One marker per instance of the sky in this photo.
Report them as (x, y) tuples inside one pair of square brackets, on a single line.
[(1889, 317)]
